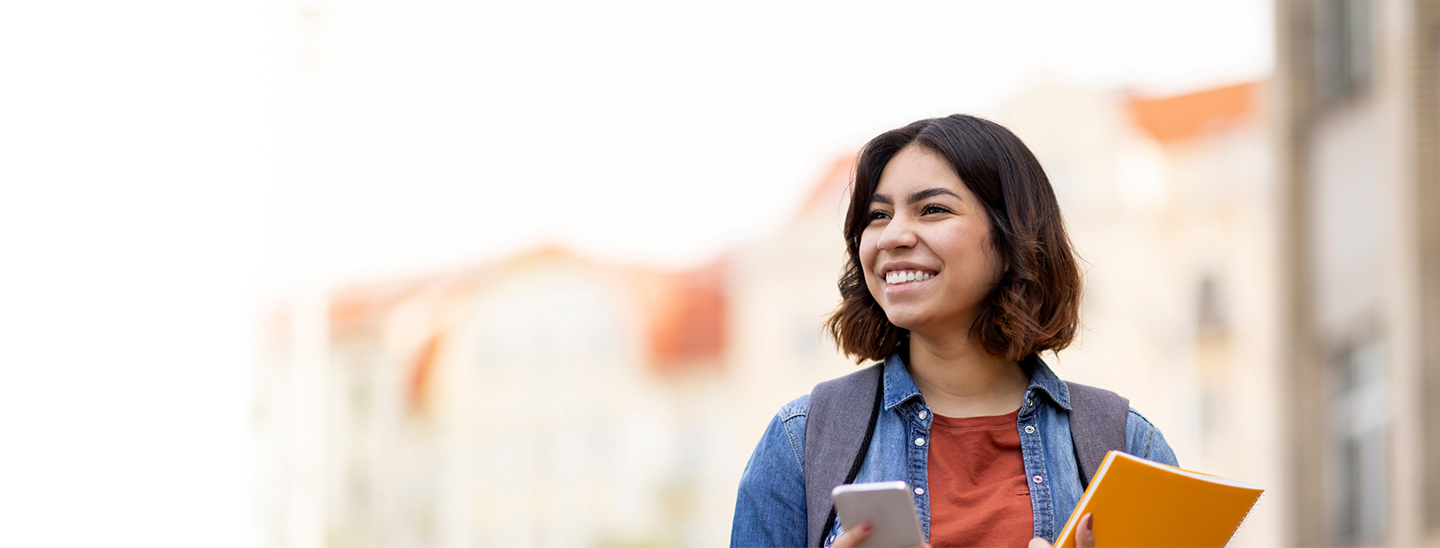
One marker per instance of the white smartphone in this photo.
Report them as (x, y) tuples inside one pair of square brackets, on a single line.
[(887, 504)]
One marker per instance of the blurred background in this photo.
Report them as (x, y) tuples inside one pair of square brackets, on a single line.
[(378, 273)]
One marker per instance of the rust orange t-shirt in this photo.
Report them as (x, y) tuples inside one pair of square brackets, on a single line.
[(978, 491)]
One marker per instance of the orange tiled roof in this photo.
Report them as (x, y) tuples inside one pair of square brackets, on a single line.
[(685, 314), (1185, 116), (359, 306)]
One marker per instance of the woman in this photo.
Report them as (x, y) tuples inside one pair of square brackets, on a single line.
[(959, 274)]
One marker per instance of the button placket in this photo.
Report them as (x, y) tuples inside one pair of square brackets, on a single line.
[(1033, 447), (918, 430)]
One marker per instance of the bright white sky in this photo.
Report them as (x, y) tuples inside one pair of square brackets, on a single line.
[(148, 175), (667, 131)]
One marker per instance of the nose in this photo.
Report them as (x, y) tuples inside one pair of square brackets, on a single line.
[(899, 233)]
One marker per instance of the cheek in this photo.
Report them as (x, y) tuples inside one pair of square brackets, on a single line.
[(964, 247), (994, 261), (867, 254)]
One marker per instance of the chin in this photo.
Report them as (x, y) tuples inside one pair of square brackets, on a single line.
[(905, 321)]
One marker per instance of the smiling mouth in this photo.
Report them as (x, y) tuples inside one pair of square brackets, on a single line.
[(907, 276)]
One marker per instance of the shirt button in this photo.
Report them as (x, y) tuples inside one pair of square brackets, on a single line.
[(919, 491), (1029, 429), (1027, 402), (919, 441), (1037, 479), (923, 415)]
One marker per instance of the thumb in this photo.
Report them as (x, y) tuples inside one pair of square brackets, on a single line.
[(853, 537), (1085, 533)]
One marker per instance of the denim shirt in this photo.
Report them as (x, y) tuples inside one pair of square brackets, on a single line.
[(770, 508)]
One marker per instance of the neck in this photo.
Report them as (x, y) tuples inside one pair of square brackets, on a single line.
[(959, 379)]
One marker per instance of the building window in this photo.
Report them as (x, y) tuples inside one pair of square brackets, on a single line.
[(1211, 317), (1359, 451), (1344, 50)]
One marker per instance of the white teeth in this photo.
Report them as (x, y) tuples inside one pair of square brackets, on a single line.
[(900, 277)]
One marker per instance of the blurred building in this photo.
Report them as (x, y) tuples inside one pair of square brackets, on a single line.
[(541, 400), (1358, 129)]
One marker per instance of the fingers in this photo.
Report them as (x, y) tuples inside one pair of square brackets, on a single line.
[(1085, 532), (1038, 542), (853, 537)]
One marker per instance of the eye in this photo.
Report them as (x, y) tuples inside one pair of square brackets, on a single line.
[(877, 215), (933, 208)]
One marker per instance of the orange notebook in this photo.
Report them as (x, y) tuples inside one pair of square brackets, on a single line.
[(1137, 502)]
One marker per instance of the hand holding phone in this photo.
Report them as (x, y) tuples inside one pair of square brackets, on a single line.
[(887, 505)]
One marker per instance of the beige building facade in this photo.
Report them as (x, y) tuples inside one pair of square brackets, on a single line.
[(1357, 123)]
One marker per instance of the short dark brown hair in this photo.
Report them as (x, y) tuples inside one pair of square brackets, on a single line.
[(1036, 304)]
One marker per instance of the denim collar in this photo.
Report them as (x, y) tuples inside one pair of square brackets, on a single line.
[(900, 386)]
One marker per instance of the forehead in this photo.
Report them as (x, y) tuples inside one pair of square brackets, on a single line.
[(917, 168)]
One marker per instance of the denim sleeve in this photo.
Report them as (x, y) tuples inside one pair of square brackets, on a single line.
[(770, 508), (1144, 440)]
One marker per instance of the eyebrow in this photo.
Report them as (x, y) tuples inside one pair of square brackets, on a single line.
[(927, 193)]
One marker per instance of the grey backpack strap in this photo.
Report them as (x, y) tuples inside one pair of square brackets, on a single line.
[(1097, 425), (839, 422)]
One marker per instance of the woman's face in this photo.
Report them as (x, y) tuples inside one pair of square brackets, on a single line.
[(926, 251)]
